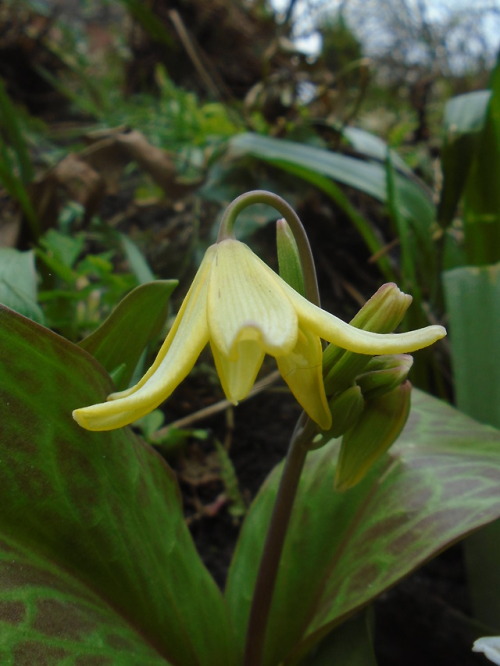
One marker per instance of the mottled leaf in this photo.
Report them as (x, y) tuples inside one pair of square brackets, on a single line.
[(440, 481), (97, 566)]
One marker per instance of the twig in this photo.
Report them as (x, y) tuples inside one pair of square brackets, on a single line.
[(193, 54), (217, 407)]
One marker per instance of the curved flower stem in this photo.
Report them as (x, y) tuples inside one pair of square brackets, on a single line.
[(303, 434), (270, 199), (275, 539)]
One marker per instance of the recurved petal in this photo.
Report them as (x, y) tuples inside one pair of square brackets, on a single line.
[(237, 374), (333, 329), (302, 371), (178, 354), (244, 294)]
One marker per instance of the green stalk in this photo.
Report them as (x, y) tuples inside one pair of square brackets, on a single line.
[(270, 199), (304, 432), (275, 540)]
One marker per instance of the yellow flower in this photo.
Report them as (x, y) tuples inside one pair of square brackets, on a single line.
[(245, 310)]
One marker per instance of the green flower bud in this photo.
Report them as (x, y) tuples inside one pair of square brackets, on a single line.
[(383, 374), (382, 313), (290, 267), (375, 431), (346, 408)]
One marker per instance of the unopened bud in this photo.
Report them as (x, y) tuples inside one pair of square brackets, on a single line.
[(382, 313), (383, 374), (346, 408), (375, 431), (290, 267)]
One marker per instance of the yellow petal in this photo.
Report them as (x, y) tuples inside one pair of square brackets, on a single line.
[(302, 371), (242, 296), (333, 329), (178, 354), (194, 299), (237, 375)]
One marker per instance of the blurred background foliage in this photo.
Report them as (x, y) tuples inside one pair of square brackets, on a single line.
[(125, 128)]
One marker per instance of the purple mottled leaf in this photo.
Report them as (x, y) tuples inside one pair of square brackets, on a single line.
[(97, 566), (439, 482)]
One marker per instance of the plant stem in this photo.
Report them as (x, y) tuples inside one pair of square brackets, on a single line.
[(275, 539), (303, 434), (271, 199)]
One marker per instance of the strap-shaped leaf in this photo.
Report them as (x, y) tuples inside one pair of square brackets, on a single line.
[(440, 481), (97, 565)]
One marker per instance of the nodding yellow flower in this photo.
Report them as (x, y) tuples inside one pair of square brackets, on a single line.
[(245, 310)]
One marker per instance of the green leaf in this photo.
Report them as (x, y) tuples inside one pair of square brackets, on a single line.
[(465, 113), (373, 146), (18, 283), (347, 645), (136, 260), (463, 120), (440, 481), (482, 194), (473, 302), (97, 565), (366, 176), (136, 320), (64, 248)]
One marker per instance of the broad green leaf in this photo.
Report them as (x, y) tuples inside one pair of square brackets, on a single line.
[(368, 177), (473, 302), (119, 342), (97, 565), (440, 481), (373, 146), (465, 113), (18, 283)]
